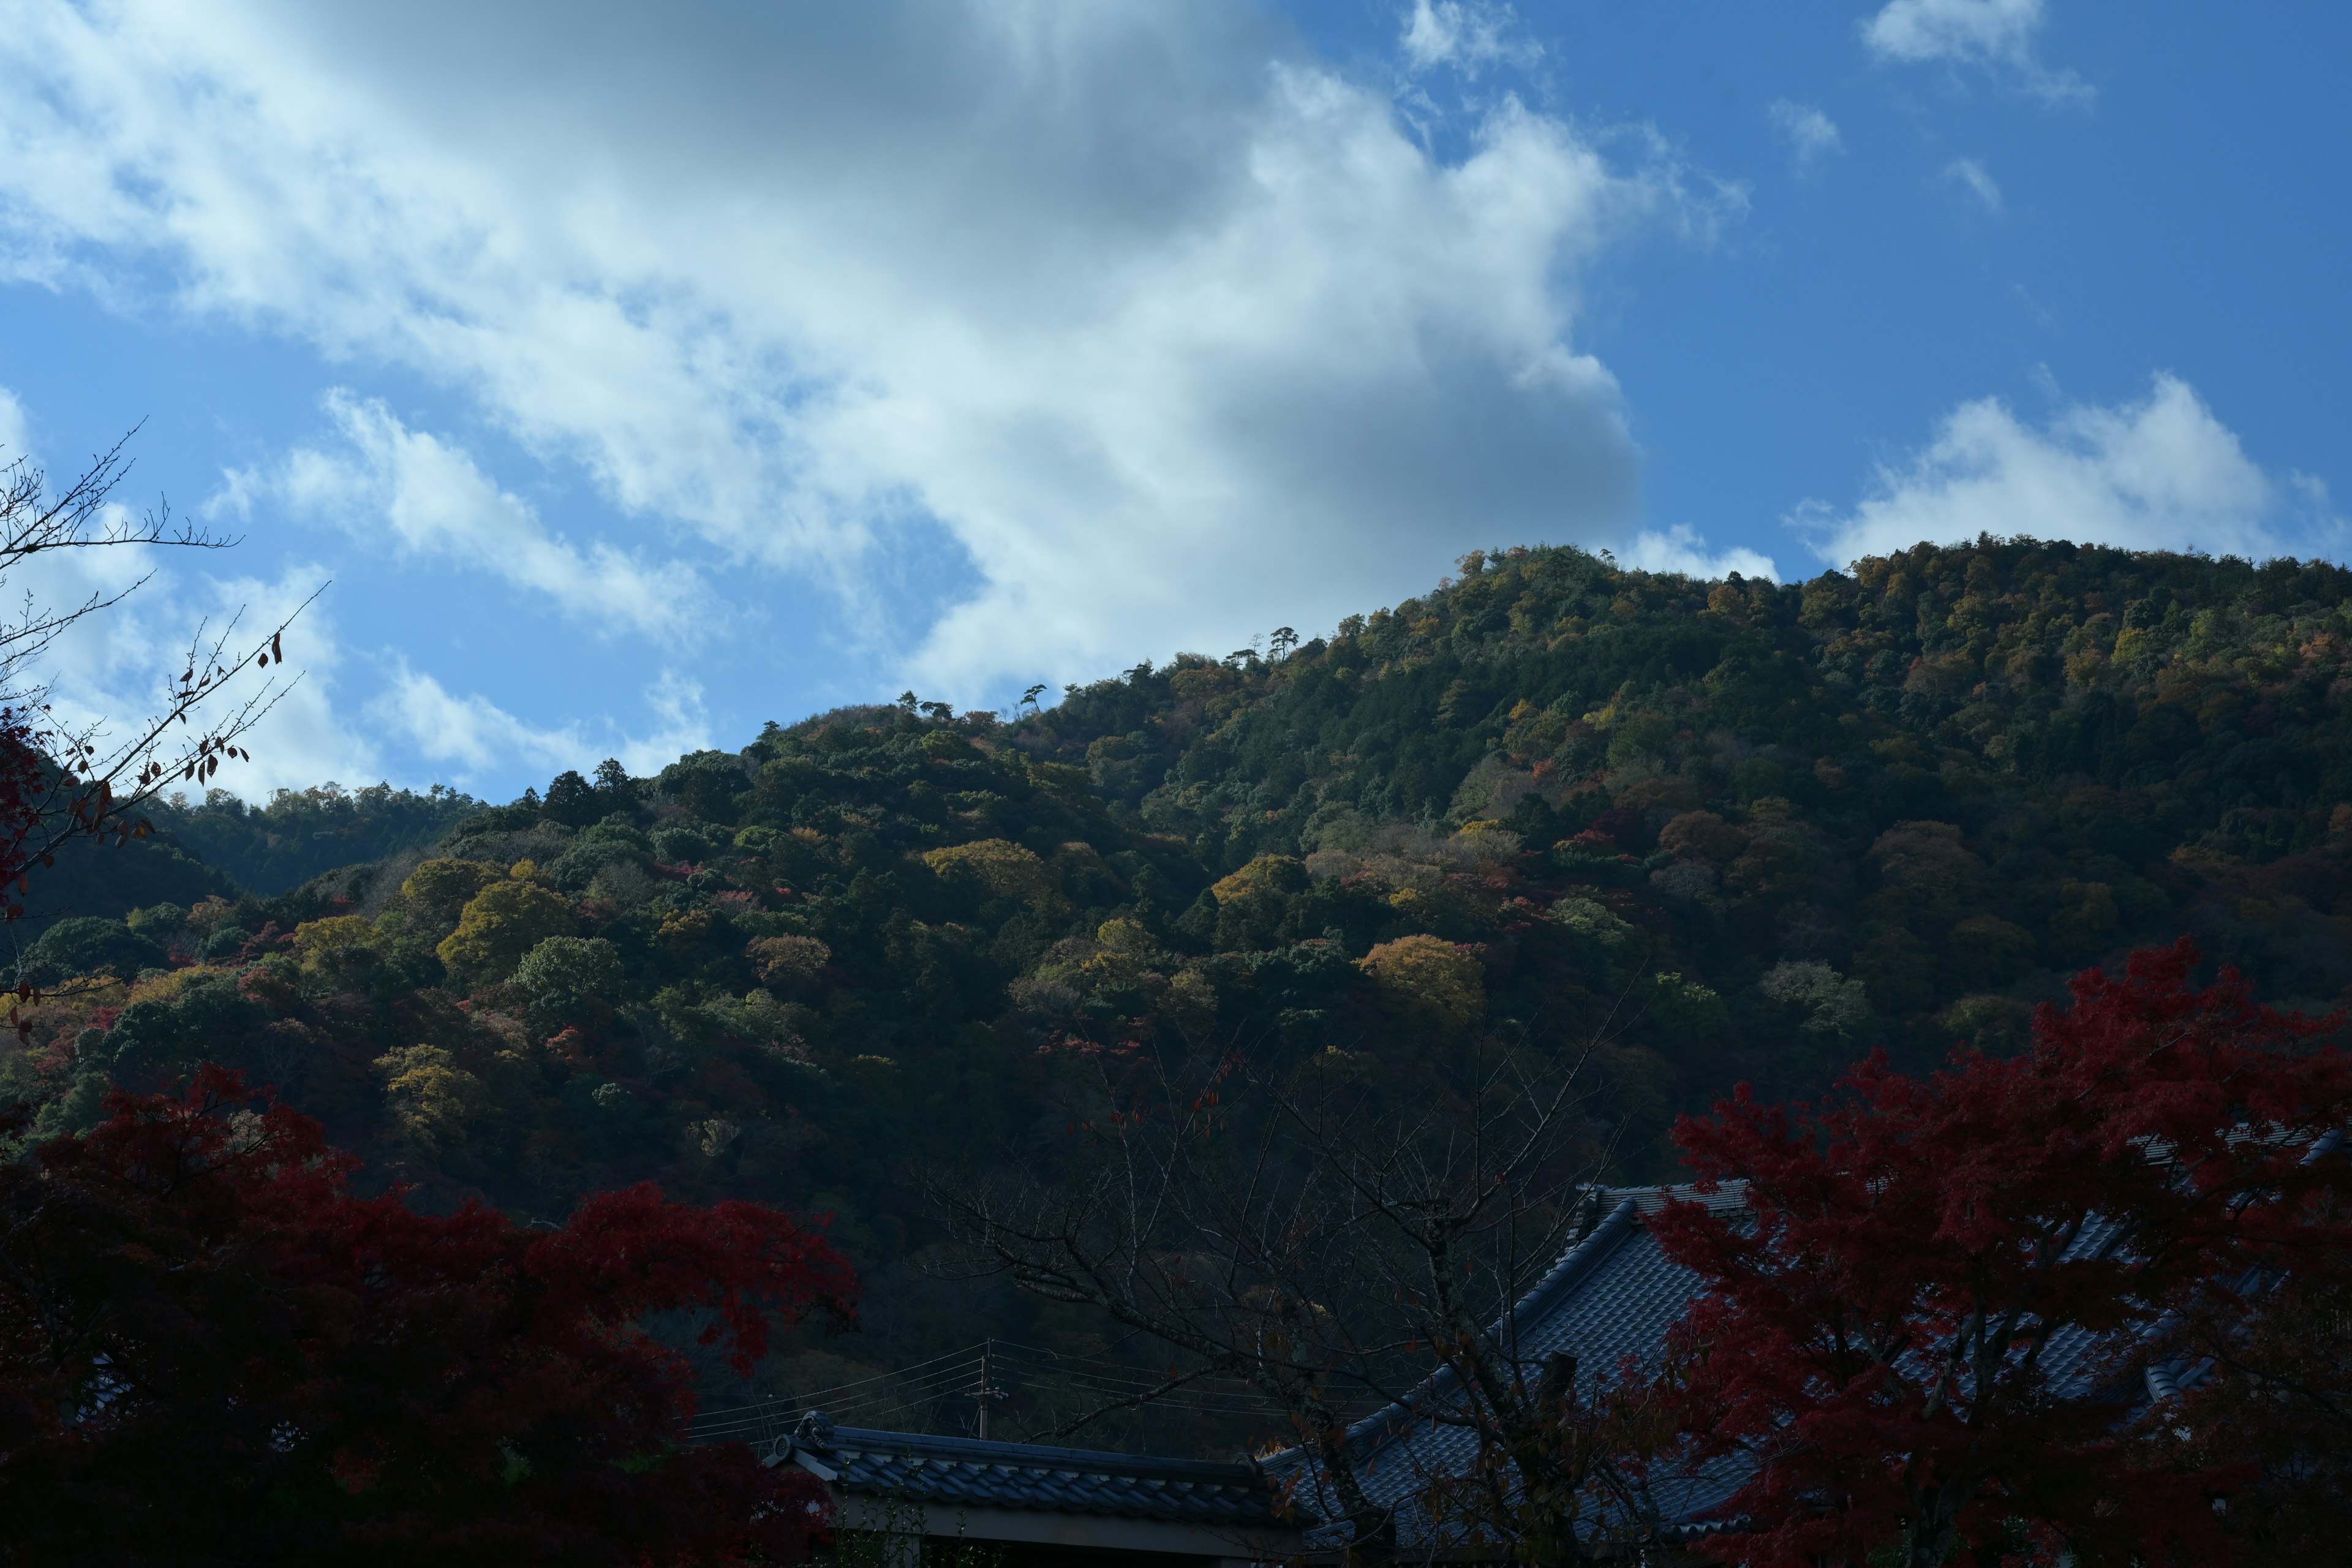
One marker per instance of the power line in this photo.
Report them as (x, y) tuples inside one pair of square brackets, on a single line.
[(1000, 1372), (813, 1396)]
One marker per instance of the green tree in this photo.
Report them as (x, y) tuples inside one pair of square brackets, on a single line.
[(572, 800), (706, 784), (85, 944), (567, 975), (788, 964)]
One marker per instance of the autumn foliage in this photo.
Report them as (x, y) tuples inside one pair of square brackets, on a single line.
[(1931, 1329), (211, 1350)]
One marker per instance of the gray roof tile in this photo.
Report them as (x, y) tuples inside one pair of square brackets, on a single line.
[(1611, 1297), (1610, 1300)]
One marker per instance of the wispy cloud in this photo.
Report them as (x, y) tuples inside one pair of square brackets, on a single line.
[(111, 670), (1995, 34), (1470, 35), (2159, 474), (428, 497), (680, 725), (468, 732), (1811, 134), (16, 436), (475, 737), (1968, 175), (1680, 549)]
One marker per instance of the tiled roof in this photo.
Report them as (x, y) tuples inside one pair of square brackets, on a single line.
[(1612, 1296), (1611, 1299), (973, 1473)]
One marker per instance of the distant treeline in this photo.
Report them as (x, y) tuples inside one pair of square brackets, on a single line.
[(304, 833)]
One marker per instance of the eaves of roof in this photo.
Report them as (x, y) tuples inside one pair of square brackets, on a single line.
[(974, 1473)]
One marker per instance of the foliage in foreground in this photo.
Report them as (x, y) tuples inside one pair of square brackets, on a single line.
[(1931, 1326), (212, 1351)]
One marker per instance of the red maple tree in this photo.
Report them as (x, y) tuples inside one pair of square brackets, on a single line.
[(212, 1351), (1931, 1326)]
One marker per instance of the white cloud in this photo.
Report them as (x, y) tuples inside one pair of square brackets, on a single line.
[(681, 727), (309, 737), (2159, 474), (1468, 35), (16, 438), (1977, 31), (111, 670), (1169, 331), (471, 733), (1680, 549), (477, 738), (1811, 134), (108, 673), (430, 499), (1997, 35), (1971, 176)]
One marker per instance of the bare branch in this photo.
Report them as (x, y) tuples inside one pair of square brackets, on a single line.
[(60, 782), (1334, 1239)]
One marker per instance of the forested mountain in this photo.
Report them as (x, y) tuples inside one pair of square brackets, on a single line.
[(1743, 830), (303, 833), (222, 846)]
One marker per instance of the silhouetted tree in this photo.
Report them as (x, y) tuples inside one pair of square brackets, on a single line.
[(1328, 1231)]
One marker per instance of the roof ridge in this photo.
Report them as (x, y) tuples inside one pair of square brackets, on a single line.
[(1730, 1193), (1366, 1435), (1041, 1456), (1580, 1258)]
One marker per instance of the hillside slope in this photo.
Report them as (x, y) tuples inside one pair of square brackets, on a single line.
[(1955, 772), (1751, 830), (301, 834)]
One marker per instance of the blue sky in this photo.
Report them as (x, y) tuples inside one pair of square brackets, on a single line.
[(636, 374)]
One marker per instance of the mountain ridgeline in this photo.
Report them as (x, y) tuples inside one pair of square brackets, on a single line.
[(1739, 830)]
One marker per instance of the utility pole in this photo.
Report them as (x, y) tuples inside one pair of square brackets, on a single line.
[(986, 1393)]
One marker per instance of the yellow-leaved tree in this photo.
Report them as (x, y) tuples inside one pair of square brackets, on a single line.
[(432, 1099), (1275, 876), (1001, 868), (339, 949), (1428, 982), (443, 887), (499, 925)]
